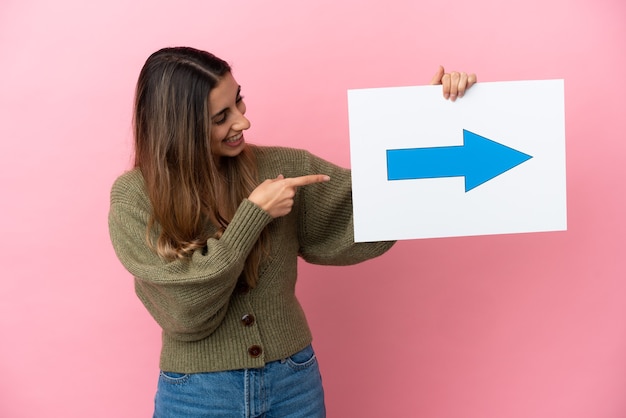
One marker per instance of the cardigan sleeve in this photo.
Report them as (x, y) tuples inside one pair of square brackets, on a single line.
[(326, 231), (188, 298)]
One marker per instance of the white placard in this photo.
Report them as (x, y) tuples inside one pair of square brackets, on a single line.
[(492, 162)]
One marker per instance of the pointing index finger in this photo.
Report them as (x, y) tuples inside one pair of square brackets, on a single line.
[(309, 179)]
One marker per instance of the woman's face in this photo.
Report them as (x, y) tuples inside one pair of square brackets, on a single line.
[(228, 122)]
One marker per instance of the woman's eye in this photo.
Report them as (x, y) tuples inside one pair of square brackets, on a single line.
[(224, 115)]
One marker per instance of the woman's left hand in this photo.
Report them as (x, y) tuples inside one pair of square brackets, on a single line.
[(455, 84)]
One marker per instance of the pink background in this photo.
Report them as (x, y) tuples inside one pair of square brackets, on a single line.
[(515, 326)]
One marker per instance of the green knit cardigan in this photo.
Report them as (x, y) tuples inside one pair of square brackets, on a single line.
[(209, 322)]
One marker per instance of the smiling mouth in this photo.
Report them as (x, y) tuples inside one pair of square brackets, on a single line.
[(234, 139)]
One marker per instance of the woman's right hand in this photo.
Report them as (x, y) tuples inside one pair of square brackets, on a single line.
[(275, 196), (454, 84)]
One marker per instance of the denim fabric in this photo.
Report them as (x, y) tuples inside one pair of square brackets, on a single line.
[(289, 388)]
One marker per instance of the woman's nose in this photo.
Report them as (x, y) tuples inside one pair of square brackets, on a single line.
[(241, 124)]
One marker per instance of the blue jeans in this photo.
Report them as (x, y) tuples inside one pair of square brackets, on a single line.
[(289, 388)]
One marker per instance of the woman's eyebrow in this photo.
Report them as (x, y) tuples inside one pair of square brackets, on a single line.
[(225, 109)]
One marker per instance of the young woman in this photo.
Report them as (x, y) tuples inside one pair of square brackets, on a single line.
[(211, 228)]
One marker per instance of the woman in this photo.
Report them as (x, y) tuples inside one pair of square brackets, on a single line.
[(211, 228)]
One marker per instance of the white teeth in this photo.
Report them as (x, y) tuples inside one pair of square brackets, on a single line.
[(235, 138)]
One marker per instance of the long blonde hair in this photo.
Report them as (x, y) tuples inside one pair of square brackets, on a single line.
[(192, 199)]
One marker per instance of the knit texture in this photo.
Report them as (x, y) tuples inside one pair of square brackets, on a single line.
[(196, 301)]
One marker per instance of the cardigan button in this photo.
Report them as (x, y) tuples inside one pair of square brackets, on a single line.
[(247, 320), (255, 351)]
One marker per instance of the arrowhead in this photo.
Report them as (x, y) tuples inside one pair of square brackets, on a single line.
[(487, 159)]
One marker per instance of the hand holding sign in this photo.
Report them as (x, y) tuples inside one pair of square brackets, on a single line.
[(454, 84)]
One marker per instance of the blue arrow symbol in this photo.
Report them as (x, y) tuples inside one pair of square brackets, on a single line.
[(478, 160)]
